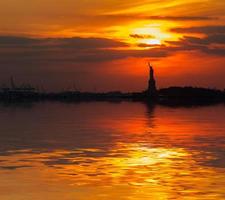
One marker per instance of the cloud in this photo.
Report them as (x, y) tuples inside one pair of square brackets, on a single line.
[(18, 41), (181, 18), (19, 51), (88, 43), (48, 50), (205, 45), (75, 42), (141, 36), (211, 39), (216, 38), (201, 29), (128, 17), (215, 51), (144, 45)]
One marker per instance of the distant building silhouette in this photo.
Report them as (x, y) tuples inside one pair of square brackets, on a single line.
[(14, 89), (152, 90)]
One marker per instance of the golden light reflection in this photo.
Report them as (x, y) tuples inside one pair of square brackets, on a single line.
[(143, 155), (132, 171), (124, 164)]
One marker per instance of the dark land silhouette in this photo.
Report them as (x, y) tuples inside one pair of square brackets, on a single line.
[(171, 96)]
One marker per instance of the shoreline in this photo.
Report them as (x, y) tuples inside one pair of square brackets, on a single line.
[(173, 96)]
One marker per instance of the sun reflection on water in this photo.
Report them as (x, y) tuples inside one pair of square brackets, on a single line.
[(124, 154), (140, 171)]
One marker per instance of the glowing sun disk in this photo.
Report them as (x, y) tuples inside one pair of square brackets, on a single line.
[(151, 41)]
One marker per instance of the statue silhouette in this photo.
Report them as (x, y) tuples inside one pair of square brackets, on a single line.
[(152, 90)]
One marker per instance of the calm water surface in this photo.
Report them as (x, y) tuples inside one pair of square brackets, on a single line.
[(111, 151)]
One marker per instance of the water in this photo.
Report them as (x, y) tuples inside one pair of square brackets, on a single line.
[(111, 151)]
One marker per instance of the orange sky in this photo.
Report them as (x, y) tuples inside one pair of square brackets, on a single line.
[(105, 45)]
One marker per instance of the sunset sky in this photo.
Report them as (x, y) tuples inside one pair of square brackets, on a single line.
[(100, 45)]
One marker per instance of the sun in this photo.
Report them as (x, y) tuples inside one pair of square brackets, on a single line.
[(151, 34), (151, 41)]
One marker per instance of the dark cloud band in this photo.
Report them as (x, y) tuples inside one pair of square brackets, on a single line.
[(201, 29)]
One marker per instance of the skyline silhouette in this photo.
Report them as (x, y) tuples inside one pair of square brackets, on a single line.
[(168, 96)]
